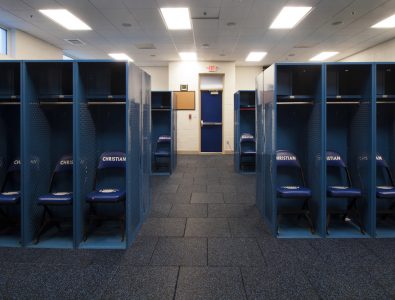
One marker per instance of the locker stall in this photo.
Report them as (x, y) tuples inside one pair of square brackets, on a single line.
[(385, 149), (108, 149), (349, 136), (10, 154), (48, 154), (244, 132), (163, 119), (290, 142)]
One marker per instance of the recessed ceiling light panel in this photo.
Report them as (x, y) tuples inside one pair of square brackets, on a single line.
[(290, 16), (255, 56), (386, 23), (176, 18), (324, 55), (120, 56), (65, 18), (188, 56)]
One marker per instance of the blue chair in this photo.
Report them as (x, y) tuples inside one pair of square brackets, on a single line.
[(344, 190), (60, 194), (108, 161), (10, 191), (162, 152), (385, 192), (296, 190), (247, 151)]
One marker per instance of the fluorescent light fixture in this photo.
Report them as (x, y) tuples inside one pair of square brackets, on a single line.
[(120, 56), (290, 16), (65, 18), (176, 18), (255, 56), (188, 55), (323, 55), (386, 23)]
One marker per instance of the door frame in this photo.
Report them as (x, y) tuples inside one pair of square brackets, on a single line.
[(200, 111)]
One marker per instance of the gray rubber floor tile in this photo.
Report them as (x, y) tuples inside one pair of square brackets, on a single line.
[(207, 198), (210, 283), (247, 227), (382, 248), (166, 188), (173, 198), (140, 253), (277, 282), (143, 283), (347, 252), (68, 257), (384, 275), (163, 227), (35, 281), (180, 252), (234, 252), (160, 210), (221, 188), (343, 282), (20, 255), (192, 188), (207, 227), (188, 211), (241, 198), (232, 211)]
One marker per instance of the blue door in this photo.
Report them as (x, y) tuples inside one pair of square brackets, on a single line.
[(211, 121)]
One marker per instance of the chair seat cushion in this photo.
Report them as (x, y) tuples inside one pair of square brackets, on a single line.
[(293, 192), (248, 152), (106, 196), (343, 191), (61, 198), (162, 153), (10, 197), (385, 191)]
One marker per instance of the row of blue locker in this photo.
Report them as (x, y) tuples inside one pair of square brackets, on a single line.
[(75, 153), (320, 128)]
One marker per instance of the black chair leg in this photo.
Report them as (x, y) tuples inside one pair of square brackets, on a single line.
[(328, 220)]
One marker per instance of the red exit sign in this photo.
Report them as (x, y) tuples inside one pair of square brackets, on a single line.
[(212, 68)]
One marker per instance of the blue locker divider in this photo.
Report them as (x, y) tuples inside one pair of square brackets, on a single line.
[(259, 125), (385, 147), (292, 120), (349, 131), (10, 151), (146, 143), (163, 123), (244, 118), (47, 136)]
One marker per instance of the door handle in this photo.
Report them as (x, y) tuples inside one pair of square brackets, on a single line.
[(210, 123)]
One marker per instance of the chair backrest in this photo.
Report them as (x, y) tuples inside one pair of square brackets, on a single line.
[(12, 177), (62, 176), (112, 160), (381, 163), (287, 158), (247, 137), (334, 159), (164, 139)]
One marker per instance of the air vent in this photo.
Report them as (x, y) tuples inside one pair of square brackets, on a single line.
[(75, 42), (145, 46), (302, 47)]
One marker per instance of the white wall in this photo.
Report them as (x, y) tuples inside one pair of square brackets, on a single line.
[(245, 77), (25, 46), (381, 52), (188, 130), (159, 78)]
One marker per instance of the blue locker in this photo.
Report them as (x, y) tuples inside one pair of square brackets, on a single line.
[(10, 153), (47, 130), (244, 132), (164, 139)]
